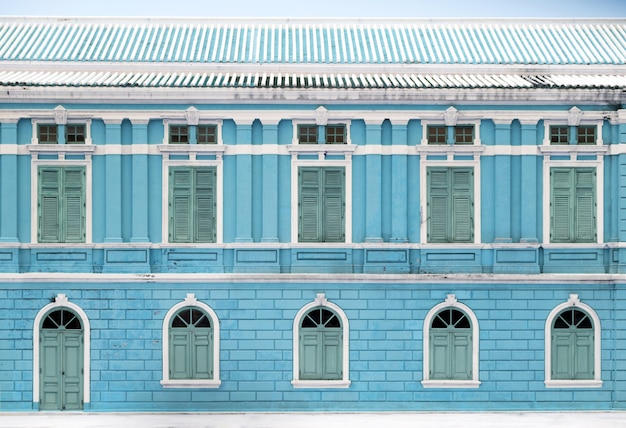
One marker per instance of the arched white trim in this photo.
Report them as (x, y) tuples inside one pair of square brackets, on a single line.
[(321, 300), (166, 382), (450, 302), (596, 382), (61, 301)]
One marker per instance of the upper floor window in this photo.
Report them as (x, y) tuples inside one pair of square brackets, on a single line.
[(191, 335), (320, 337), (192, 204), (573, 204), (572, 336), (47, 134), (450, 346), (61, 134), (321, 204), (450, 204), (61, 204)]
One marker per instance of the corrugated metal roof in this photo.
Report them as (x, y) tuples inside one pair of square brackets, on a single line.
[(314, 42), (290, 80)]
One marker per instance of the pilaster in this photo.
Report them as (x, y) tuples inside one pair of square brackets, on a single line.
[(113, 184), (140, 212), (373, 184)]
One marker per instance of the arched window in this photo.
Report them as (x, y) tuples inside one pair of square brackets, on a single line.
[(190, 346), (572, 346), (320, 346), (450, 346), (61, 357)]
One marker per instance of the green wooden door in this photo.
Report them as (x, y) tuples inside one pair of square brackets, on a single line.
[(61, 362)]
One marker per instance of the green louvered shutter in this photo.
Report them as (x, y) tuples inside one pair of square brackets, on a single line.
[(583, 359), (180, 204), (585, 205), (74, 205), (438, 204), (204, 205), (573, 204), (333, 205), (309, 205), (461, 364), (572, 346), (49, 204), (462, 204)]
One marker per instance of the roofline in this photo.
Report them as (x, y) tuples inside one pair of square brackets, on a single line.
[(302, 20)]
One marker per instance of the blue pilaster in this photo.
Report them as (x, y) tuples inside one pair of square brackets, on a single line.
[(270, 186), (113, 187), (61, 134), (140, 185), (373, 186), (529, 229), (399, 184), (244, 185), (8, 178), (503, 184)]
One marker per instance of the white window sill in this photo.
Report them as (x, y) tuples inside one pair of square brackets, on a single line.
[(320, 383), (191, 383), (450, 383), (573, 383)]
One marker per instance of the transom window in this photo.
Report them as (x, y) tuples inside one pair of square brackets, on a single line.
[(61, 319), (441, 134), (332, 134), (564, 135), (72, 133)]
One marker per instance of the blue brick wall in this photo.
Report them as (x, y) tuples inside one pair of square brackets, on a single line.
[(256, 319)]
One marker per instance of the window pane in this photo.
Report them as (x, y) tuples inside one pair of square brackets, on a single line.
[(179, 134), (436, 134), (464, 134), (47, 134), (335, 134), (586, 135), (559, 135), (207, 134), (75, 134), (307, 134)]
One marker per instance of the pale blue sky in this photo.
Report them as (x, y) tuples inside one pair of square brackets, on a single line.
[(318, 8)]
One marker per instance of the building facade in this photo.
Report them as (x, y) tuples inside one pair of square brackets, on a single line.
[(284, 215)]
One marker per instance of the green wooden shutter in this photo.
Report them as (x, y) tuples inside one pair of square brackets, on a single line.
[(332, 354), (333, 205), (309, 205), (72, 370), (50, 363), (180, 354), (585, 205), (438, 204), (439, 356), (461, 361), (562, 225), (462, 204), (562, 355), (310, 354), (73, 205), (202, 354), (583, 355), (204, 205), (49, 204), (180, 204)]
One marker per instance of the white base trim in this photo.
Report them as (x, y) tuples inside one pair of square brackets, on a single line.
[(191, 383), (450, 383), (320, 383), (573, 383)]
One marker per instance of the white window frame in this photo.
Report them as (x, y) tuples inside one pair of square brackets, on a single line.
[(166, 382), (427, 123), (61, 301), (34, 192), (596, 382), (40, 121), (296, 124), (450, 302), (321, 301), (598, 164), (216, 122)]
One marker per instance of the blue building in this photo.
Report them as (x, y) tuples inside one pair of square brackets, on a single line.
[(294, 214)]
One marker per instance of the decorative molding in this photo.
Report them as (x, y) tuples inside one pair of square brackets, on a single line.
[(574, 115), (321, 116), (193, 116), (60, 115), (451, 116)]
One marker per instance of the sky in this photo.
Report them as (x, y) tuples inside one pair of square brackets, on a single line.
[(320, 8)]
